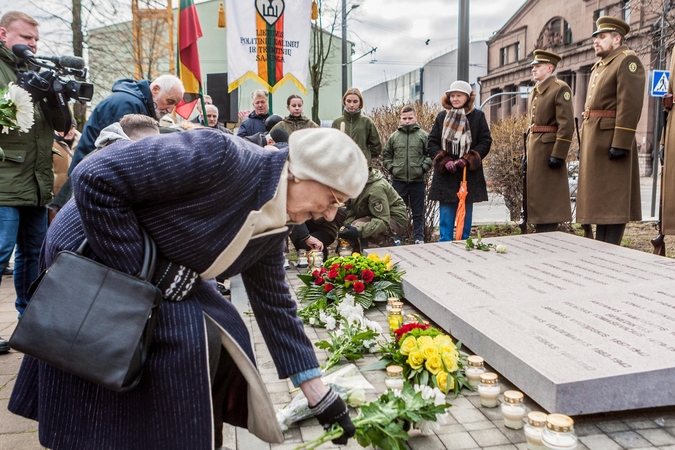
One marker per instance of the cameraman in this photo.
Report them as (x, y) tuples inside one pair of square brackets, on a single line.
[(26, 174), (129, 97)]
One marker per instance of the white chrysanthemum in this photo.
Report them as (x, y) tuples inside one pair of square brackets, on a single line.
[(372, 325), (24, 106), (312, 321), (330, 322)]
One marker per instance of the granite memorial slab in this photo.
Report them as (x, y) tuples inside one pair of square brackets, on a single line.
[(578, 325)]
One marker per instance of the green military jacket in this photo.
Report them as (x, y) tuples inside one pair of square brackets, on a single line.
[(27, 172), (405, 155), (363, 131), (380, 201), (291, 124)]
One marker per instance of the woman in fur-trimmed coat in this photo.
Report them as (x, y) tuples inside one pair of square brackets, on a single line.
[(460, 138)]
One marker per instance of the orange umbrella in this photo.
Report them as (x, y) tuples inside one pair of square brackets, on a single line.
[(461, 208)]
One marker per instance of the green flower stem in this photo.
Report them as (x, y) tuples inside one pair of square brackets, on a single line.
[(336, 431)]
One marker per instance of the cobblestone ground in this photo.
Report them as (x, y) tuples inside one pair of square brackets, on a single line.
[(469, 426)]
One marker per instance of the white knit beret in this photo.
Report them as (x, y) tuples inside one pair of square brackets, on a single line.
[(460, 86), (330, 157)]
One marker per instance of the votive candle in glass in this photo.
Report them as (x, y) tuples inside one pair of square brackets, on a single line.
[(395, 319), (390, 302), (394, 378), (513, 410), (559, 433), (536, 421), (474, 370), (489, 390)]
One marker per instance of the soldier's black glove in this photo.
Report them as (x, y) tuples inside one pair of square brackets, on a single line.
[(332, 409), (617, 153), (523, 163), (554, 162), (349, 233), (661, 151)]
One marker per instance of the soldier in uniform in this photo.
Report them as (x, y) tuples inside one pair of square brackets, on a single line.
[(609, 183), (549, 137)]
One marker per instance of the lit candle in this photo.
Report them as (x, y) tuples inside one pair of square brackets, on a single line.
[(536, 421), (513, 410), (394, 378), (489, 390), (559, 433), (474, 370)]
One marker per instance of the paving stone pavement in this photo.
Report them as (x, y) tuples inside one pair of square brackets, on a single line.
[(468, 427)]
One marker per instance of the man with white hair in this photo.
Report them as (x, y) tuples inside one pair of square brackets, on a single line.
[(212, 119), (129, 97)]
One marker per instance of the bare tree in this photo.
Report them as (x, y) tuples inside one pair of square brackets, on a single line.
[(322, 44)]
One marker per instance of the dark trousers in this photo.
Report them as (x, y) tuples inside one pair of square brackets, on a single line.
[(413, 196), (611, 234)]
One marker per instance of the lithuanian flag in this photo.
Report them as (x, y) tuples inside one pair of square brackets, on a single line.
[(189, 31)]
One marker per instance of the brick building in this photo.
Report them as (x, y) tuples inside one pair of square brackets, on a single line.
[(564, 27)]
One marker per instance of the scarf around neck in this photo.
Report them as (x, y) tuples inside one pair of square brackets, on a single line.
[(456, 132)]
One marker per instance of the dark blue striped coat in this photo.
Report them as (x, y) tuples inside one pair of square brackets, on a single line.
[(192, 191)]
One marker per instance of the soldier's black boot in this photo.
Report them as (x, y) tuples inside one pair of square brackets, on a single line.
[(545, 227)]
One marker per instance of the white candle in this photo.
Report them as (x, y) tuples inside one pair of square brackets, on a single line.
[(559, 433), (513, 416), (473, 375), (533, 437), (489, 395)]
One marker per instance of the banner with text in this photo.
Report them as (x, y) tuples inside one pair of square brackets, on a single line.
[(268, 41)]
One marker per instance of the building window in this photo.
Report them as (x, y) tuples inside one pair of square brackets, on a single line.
[(626, 11), (503, 58), (596, 15), (567, 37), (516, 48)]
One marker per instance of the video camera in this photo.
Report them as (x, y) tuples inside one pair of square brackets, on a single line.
[(49, 84)]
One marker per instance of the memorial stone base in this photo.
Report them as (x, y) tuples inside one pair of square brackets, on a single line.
[(578, 325)]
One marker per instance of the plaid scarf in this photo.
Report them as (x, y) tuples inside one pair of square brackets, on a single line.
[(457, 132)]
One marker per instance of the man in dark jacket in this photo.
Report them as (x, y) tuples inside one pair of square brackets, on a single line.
[(256, 120), (129, 97), (26, 167), (405, 157), (375, 216)]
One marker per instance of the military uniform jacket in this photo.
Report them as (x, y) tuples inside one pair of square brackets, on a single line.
[(548, 197), (668, 181), (609, 190)]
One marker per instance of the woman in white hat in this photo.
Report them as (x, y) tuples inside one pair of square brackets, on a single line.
[(458, 141), (214, 204)]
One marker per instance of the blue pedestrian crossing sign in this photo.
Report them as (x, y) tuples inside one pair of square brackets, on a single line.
[(658, 82)]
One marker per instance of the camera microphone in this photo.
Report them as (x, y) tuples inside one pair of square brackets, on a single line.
[(23, 51), (71, 62)]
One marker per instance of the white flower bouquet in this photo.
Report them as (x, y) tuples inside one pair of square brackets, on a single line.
[(16, 111), (347, 382)]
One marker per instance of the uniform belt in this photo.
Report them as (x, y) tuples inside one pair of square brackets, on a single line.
[(543, 129), (610, 113)]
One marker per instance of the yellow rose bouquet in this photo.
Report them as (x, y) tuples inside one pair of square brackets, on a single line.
[(428, 357)]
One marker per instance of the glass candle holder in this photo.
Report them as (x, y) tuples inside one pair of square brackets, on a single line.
[(474, 370), (536, 421), (394, 378), (395, 319), (391, 301), (489, 390), (513, 410), (316, 259), (345, 249), (399, 305), (302, 259), (559, 433)]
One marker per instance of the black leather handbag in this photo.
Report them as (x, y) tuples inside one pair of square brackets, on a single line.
[(90, 320)]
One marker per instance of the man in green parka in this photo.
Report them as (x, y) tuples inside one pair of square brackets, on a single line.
[(405, 157), (26, 167), (375, 216)]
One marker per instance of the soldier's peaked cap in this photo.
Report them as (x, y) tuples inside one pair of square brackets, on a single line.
[(542, 56), (606, 24)]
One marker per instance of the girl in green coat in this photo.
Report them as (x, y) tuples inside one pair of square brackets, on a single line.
[(359, 127)]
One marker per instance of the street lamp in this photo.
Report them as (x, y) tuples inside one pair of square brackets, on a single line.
[(344, 43)]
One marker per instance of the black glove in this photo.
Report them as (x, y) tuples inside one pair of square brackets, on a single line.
[(554, 162), (349, 233), (661, 152), (332, 409), (523, 163), (617, 153)]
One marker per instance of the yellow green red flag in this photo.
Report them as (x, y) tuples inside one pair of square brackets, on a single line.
[(189, 31)]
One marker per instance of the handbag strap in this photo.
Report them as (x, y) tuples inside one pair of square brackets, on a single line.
[(149, 255)]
